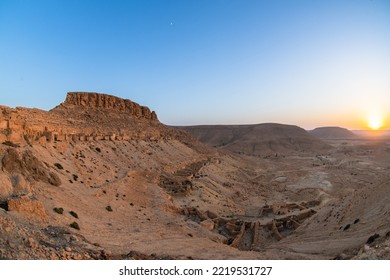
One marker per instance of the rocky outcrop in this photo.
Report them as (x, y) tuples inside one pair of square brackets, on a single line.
[(27, 164), (27, 206), (5, 186), (108, 102), (83, 116)]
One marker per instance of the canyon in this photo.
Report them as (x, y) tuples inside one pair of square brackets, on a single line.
[(100, 177)]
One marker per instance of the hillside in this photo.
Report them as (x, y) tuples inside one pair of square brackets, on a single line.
[(333, 133), (259, 139)]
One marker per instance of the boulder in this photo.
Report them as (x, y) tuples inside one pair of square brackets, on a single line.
[(5, 186), (207, 224), (20, 185), (28, 165), (28, 206)]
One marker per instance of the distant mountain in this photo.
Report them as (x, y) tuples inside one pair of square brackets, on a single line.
[(333, 133), (259, 139)]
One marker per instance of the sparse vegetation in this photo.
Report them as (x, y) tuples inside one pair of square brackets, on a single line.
[(75, 177), (75, 225), (58, 210), (98, 150), (372, 238), (74, 214), (109, 208), (4, 205), (58, 165)]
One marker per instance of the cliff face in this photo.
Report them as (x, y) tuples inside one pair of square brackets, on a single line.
[(108, 102)]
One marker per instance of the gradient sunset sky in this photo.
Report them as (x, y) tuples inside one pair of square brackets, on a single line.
[(309, 63)]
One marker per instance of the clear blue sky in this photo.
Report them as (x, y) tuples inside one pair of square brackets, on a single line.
[(309, 63)]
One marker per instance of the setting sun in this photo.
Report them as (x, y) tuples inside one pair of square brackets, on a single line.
[(375, 122)]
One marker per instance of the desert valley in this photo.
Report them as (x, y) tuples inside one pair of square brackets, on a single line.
[(100, 177)]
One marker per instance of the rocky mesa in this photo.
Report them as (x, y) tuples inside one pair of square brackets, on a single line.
[(113, 118), (103, 102)]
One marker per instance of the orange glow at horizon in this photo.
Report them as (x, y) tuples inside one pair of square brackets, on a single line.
[(375, 121)]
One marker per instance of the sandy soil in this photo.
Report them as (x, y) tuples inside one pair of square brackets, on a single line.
[(165, 199)]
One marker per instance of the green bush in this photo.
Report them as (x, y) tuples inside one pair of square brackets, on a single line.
[(59, 210), (58, 165), (75, 225), (109, 208), (74, 214)]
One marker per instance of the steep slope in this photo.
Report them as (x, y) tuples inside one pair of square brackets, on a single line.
[(332, 133), (259, 140)]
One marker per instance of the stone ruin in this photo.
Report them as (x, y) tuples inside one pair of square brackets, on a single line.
[(273, 223), (20, 126), (180, 183)]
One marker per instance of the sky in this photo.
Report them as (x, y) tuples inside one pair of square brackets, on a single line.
[(308, 63)]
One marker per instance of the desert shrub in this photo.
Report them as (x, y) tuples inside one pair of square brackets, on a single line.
[(109, 208), (59, 210), (75, 177), (4, 205), (347, 227), (74, 214), (372, 238), (58, 165), (75, 225), (98, 150)]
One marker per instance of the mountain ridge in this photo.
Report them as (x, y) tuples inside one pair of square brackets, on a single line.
[(257, 139)]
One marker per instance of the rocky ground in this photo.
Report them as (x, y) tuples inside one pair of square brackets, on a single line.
[(168, 196)]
